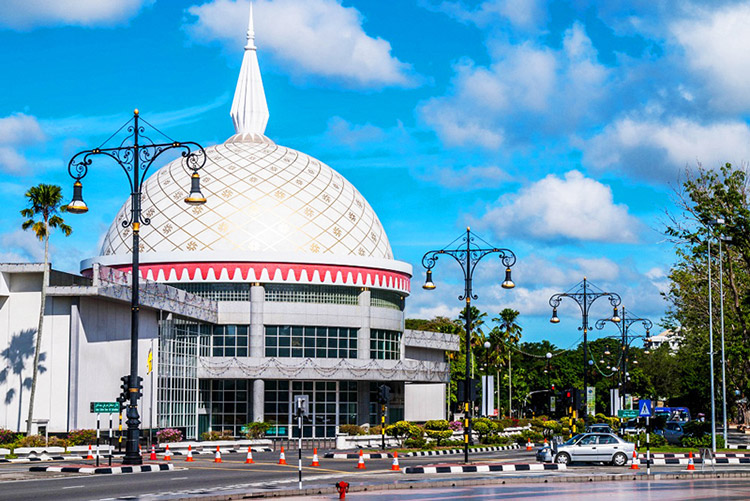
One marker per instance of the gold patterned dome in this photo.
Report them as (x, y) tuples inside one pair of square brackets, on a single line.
[(261, 197)]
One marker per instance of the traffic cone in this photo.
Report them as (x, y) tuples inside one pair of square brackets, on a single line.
[(89, 456), (691, 463), (545, 442), (189, 457), (152, 456), (529, 447), (634, 464), (315, 457), (167, 454), (282, 457), (217, 456), (249, 459), (361, 462), (395, 466)]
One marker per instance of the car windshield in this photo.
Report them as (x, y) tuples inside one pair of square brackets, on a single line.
[(573, 440)]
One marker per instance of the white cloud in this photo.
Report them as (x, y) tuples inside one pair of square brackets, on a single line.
[(16, 131), (310, 37), (527, 90), (569, 208), (21, 246), (715, 42), (27, 14), (523, 14), (653, 149), (343, 132)]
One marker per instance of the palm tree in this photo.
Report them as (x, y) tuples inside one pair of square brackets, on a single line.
[(45, 201), (507, 335)]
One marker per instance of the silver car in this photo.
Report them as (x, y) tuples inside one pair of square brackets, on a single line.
[(589, 447)]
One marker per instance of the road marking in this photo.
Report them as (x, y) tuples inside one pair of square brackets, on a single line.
[(74, 487), (179, 478)]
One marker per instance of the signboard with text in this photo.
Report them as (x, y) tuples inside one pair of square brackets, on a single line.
[(105, 407), (627, 413)]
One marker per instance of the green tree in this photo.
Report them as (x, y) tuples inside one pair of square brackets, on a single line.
[(503, 339), (44, 202), (704, 198)]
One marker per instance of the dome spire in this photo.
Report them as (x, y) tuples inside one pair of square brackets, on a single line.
[(249, 108)]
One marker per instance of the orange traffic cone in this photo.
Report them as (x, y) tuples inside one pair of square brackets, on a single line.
[(634, 463), (529, 447), (217, 456), (167, 454), (89, 456), (315, 457), (545, 442), (361, 462), (691, 463), (189, 457), (282, 457), (395, 466), (249, 459), (152, 456)]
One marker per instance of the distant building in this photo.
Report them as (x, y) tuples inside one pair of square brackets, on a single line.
[(283, 284), (668, 336)]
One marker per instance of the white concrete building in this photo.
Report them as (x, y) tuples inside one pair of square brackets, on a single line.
[(283, 283)]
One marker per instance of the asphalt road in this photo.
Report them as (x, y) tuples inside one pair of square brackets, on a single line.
[(206, 477)]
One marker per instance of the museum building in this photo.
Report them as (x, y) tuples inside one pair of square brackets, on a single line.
[(284, 283)]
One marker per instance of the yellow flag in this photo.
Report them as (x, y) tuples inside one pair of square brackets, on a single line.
[(150, 362)]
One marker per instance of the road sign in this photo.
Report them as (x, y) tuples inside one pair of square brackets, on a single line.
[(105, 407), (644, 408), (627, 413)]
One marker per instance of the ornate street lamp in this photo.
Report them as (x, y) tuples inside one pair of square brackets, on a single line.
[(584, 296), (467, 255), (136, 160), (623, 326)]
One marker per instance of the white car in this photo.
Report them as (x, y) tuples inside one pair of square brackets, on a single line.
[(589, 447)]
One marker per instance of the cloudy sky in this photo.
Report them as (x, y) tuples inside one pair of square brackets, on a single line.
[(556, 129)]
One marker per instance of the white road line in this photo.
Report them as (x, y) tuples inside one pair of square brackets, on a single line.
[(179, 478), (74, 487)]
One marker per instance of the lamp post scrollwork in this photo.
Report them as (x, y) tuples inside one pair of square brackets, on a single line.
[(135, 160), (467, 255)]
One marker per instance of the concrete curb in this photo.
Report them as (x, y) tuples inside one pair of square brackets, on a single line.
[(738, 446), (666, 455), (665, 461), (373, 455), (114, 470), (33, 459), (485, 468)]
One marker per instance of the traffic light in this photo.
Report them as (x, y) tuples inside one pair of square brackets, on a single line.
[(461, 387), (139, 387), (577, 399), (123, 398), (384, 394)]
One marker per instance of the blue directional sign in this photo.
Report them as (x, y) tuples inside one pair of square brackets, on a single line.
[(644, 408)]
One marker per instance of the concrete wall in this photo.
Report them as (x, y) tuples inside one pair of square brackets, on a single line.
[(424, 401), (426, 354)]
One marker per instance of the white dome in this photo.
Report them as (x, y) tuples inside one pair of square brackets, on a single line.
[(260, 197)]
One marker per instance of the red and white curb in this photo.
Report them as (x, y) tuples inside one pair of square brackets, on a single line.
[(383, 455), (486, 468), (109, 470)]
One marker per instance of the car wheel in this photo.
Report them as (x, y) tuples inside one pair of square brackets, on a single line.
[(620, 459), (562, 458)]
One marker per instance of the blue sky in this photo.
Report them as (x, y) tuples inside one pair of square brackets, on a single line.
[(557, 129)]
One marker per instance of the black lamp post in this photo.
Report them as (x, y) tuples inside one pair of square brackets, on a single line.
[(623, 325), (467, 255), (135, 160), (584, 296)]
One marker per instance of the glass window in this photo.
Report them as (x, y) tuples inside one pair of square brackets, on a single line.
[(385, 345), (321, 342)]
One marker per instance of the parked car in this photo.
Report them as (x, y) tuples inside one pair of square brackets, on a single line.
[(633, 427), (589, 447), (599, 428), (673, 432)]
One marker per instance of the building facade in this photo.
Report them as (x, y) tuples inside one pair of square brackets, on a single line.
[(282, 284)]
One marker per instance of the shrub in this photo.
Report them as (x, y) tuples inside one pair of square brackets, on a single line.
[(402, 430), (483, 427), (32, 441), (439, 435), (456, 425), (58, 442), (453, 443), (169, 435), (704, 441), (257, 429), (82, 437), (499, 440), (417, 443), (351, 429), (526, 435), (654, 440), (8, 437), (375, 430), (553, 427), (437, 424), (212, 436)]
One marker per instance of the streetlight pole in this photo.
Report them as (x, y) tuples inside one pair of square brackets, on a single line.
[(549, 384), (136, 160), (489, 398), (467, 255), (711, 351), (623, 325), (584, 296)]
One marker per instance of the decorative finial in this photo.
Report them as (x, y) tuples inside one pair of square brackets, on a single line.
[(249, 108), (135, 112)]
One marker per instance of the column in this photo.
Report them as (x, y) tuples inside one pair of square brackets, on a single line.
[(259, 390), (363, 402), (257, 332), (363, 335)]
